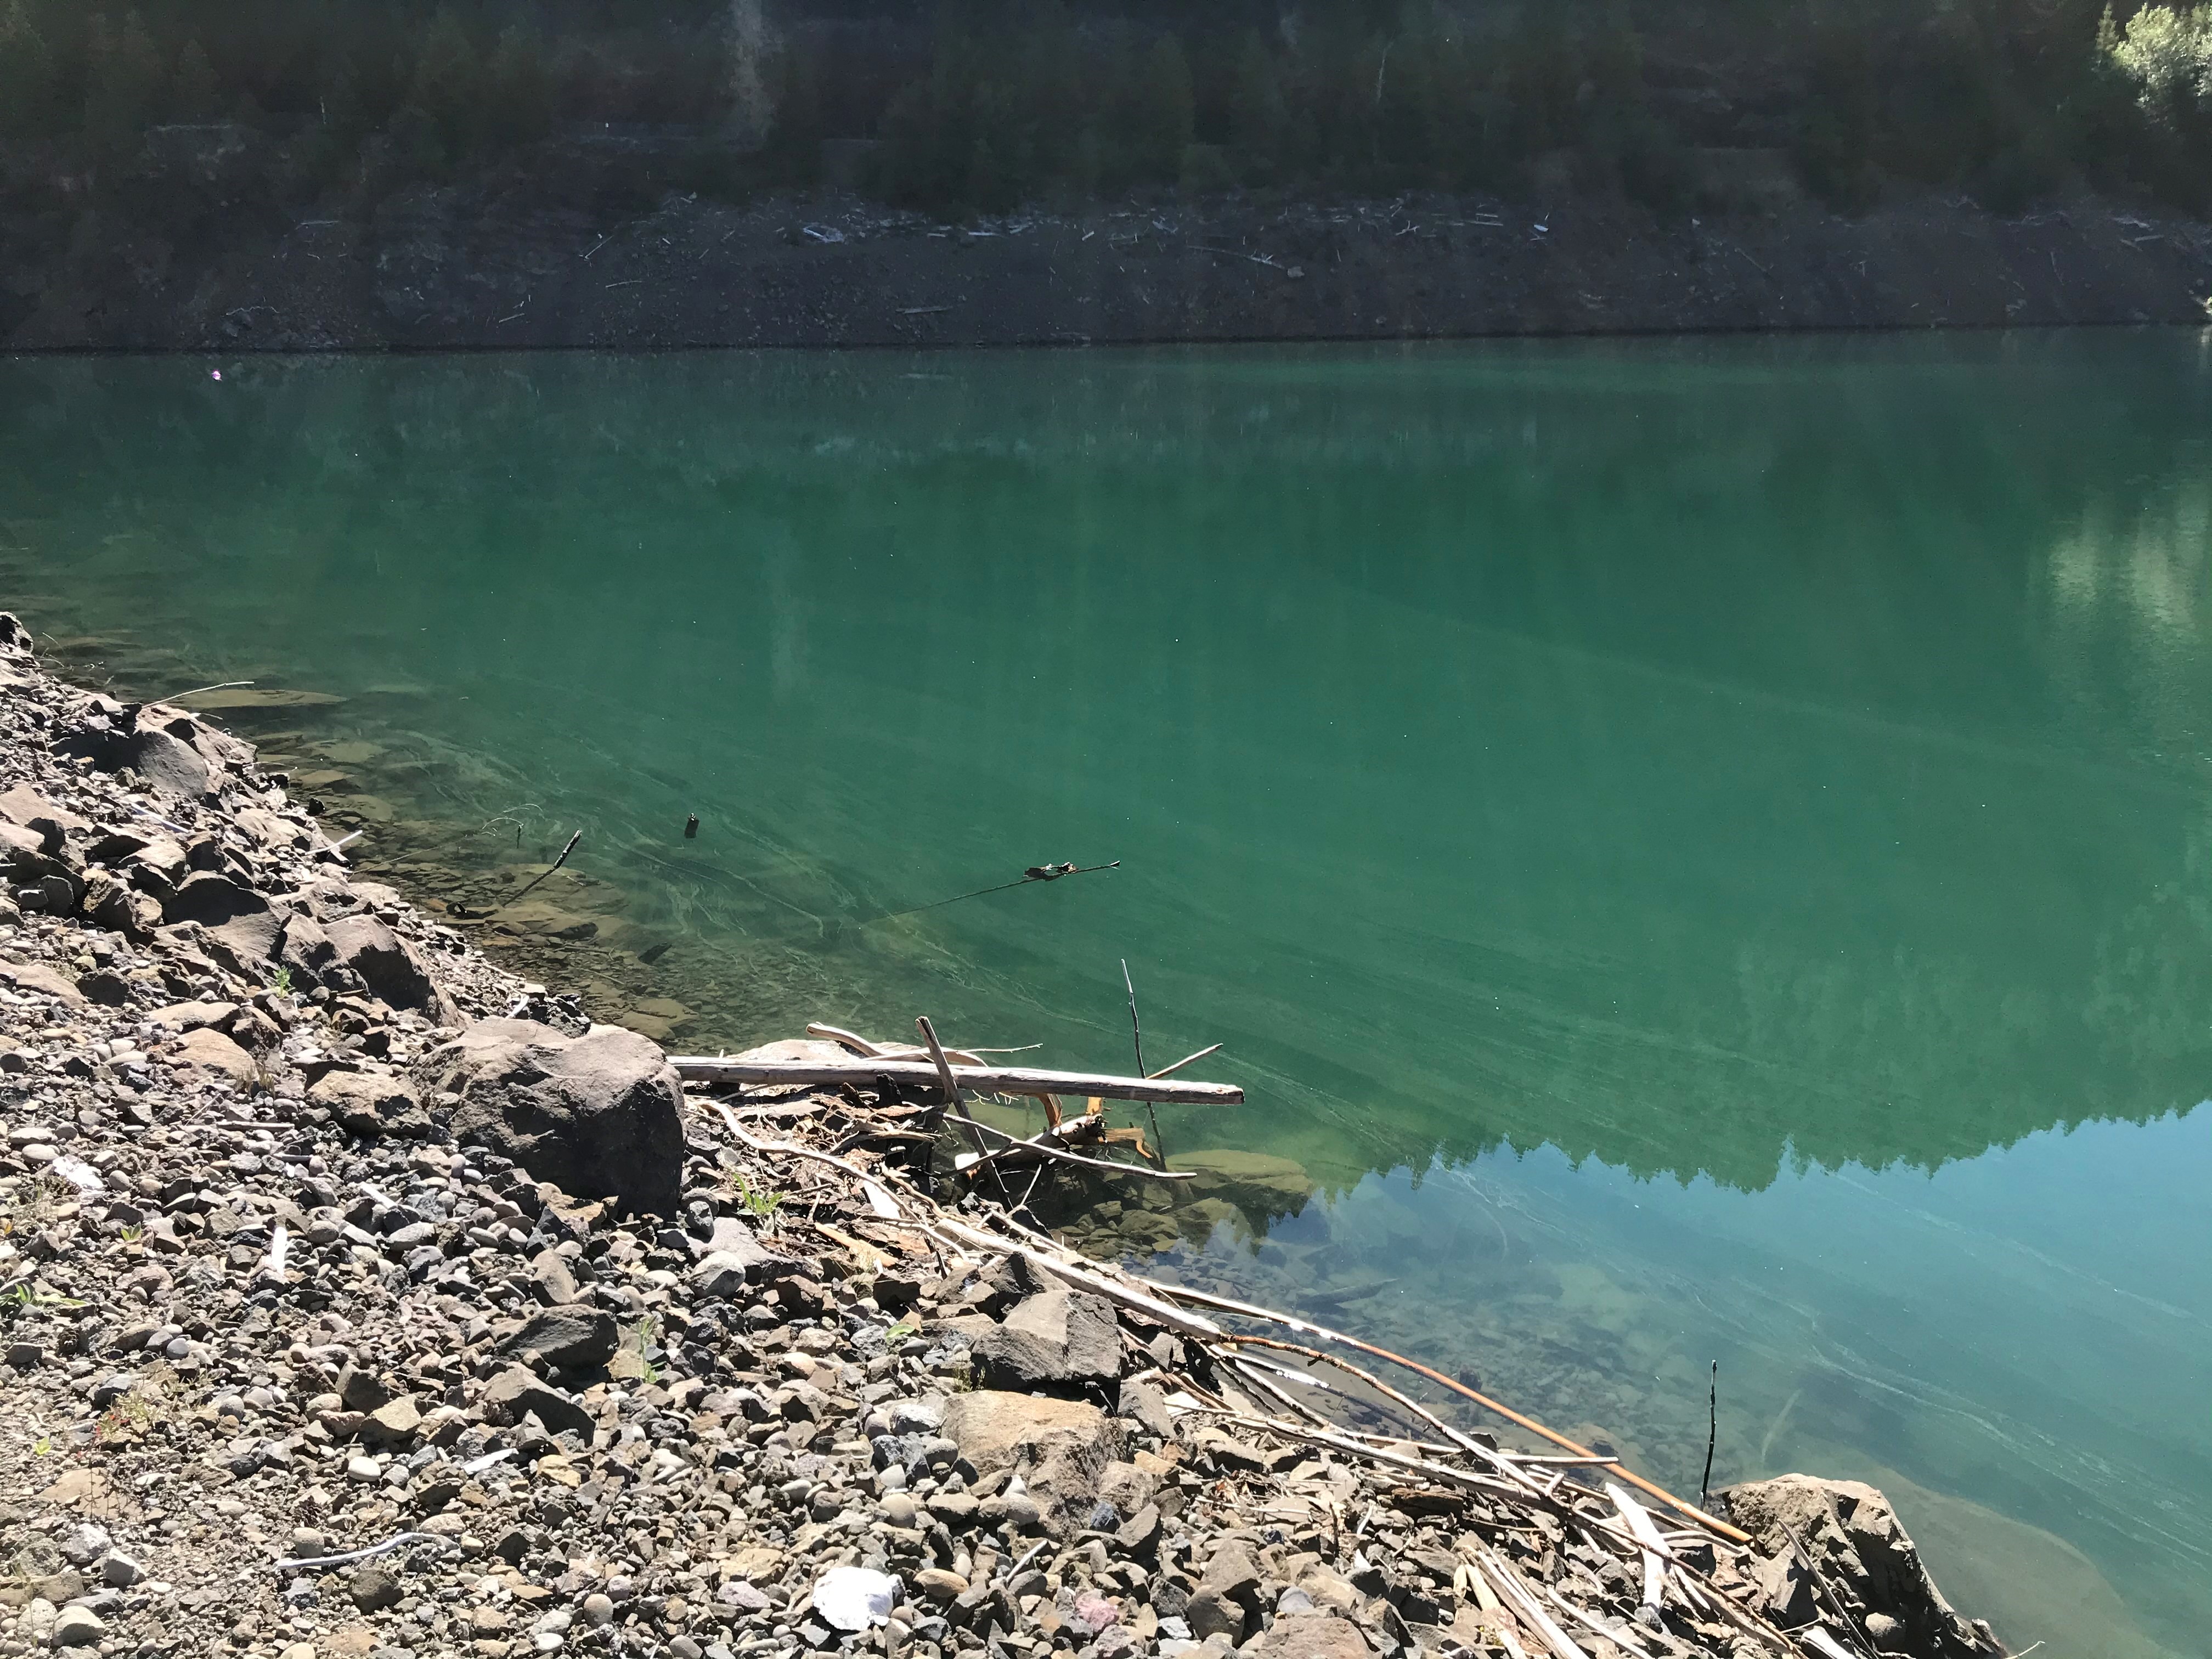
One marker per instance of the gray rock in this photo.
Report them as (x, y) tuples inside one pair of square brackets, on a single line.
[(597, 1116), (360, 1390), (78, 1627), (572, 1337), (375, 1588), (388, 966), (556, 1284), (516, 1392), (1057, 1338)]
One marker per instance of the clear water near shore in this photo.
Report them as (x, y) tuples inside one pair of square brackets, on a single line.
[(1696, 850)]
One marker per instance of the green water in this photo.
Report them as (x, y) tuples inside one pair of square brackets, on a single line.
[(1701, 850)]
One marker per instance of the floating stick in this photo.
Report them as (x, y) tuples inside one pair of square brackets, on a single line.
[(557, 863), (1712, 1431), (1035, 873)]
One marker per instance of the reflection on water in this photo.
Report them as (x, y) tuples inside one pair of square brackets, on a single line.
[(1696, 850)]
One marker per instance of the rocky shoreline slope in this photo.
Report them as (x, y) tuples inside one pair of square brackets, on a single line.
[(357, 1297), (491, 266)]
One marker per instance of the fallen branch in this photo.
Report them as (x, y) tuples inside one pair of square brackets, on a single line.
[(1227, 1304), (320, 1562), (978, 1080)]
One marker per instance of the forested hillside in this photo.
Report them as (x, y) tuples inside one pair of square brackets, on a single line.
[(980, 104)]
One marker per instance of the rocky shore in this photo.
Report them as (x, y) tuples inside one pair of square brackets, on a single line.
[(359, 1297), (199, 264)]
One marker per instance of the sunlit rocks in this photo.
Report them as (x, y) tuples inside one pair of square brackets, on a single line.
[(597, 1116)]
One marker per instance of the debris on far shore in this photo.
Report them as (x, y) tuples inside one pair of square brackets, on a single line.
[(358, 1297)]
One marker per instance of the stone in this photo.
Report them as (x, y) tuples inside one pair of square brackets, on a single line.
[(1307, 1635), (213, 900), (1062, 1448), (854, 1598), (599, 1115), (555, 1282), (22, 805), (573, 1337), (372, 1103), (388, 966), (1057, 1338), (395, 1423), (211, 1051), (375, 1588), (120, 1572), (940, 1585), (516, 1392), (360, 1390), (167, 764), (37, 976), (78, 1627), (194, 1016), (1854, 1539)]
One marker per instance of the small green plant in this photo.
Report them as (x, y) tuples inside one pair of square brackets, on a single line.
[(759, 1203), (282, 983), (132, 1233), (642, 1336), (43, 1446), (899, 1333)]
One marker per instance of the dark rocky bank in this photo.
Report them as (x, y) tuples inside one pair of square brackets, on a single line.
[(206, 262), (361, 1298)]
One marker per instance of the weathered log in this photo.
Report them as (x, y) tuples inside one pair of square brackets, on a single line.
[(981, 1079)]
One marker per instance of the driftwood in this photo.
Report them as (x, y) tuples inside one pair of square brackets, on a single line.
[(1226, 1304), (1535, 1485), (1044, 1149), (861, 1072)]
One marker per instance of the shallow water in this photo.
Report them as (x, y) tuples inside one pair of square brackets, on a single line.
[(1699, 850)]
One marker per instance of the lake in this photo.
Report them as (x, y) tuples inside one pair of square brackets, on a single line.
[(1697, 850)]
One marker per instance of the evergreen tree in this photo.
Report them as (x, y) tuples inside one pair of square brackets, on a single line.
[(124, 85), (448, 87), (1256, 112), (1164, 111), (30, 80), (521, 87), (194, 95)]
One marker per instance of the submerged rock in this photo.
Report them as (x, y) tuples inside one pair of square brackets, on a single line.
[(1862, 1554)]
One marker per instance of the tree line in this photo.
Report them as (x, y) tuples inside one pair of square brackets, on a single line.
[(982, 104)]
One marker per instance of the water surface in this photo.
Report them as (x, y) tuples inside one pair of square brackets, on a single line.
[(1697, 850)]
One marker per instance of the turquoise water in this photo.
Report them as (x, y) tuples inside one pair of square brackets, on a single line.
[(1697, 850)]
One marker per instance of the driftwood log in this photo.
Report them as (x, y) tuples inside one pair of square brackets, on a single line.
[(981, 1079)]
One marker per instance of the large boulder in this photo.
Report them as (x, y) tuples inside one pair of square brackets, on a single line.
[(599, 1115), (1058, 1339), (1862, 1554), (393, 969), (1065, 1450)]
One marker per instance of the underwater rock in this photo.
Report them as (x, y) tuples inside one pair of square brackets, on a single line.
[(1861, 1552)]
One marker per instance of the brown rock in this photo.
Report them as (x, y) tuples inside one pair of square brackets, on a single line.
[(1063, 1447), (1853, 1534), (211, 1051), (371, 1103), (1307, 1635), (37, 976)]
